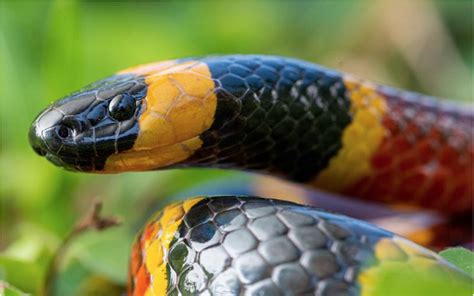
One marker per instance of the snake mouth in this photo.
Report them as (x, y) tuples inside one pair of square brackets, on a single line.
[(56, 160), (72, 164), (39, 150)]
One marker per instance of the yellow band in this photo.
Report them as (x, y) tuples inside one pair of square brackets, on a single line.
[(360, 139), (180, 104), (156, 249)]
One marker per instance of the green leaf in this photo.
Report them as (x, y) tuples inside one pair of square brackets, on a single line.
[(8, 290), (24, 275), (402, 280), (69, 279), (461, 257), (104, 253)]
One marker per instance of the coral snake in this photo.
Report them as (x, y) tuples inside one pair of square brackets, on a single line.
[(284, 117)]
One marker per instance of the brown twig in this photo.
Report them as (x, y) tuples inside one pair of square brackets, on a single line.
[(92, 220)]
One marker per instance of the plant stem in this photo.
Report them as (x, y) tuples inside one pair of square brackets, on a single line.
[(92, 220)]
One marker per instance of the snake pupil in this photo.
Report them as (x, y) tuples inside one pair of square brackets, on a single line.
[(122, 107), (63, 131)]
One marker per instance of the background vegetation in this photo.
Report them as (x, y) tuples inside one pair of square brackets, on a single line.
[(50, 49)]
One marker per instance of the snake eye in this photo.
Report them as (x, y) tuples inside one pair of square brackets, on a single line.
[(122, 107), (63, 131)]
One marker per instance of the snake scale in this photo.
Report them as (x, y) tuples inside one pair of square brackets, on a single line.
[(279, 116)]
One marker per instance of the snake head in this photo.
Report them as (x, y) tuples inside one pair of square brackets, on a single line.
[(80, 130), (142, 118)]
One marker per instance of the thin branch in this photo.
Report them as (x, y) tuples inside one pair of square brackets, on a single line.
[(91, 221)]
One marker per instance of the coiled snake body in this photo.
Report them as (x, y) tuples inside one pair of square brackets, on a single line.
[(280, 116)]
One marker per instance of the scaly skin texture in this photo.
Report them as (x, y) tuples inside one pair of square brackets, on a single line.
[(275, 115), (339, 133), (425, 157), (253, 246), (272, 114)]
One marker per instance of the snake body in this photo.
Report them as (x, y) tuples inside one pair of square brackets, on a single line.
[(228, 245), (280, 116)]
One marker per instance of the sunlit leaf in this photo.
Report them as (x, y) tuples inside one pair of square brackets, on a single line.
[(8, 290), (393, 281), (461, 257), (24, 275)]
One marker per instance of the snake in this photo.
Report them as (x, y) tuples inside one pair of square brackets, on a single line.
[(277, 116)]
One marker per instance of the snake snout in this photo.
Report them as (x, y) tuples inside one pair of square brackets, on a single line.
[(36, 142), (53, 134), (40, 129)]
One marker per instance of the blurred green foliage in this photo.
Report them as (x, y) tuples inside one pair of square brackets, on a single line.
[(460, 257), (396, 281), (49, 49)]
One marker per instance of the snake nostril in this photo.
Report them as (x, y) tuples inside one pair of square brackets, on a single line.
[(63, 131)]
